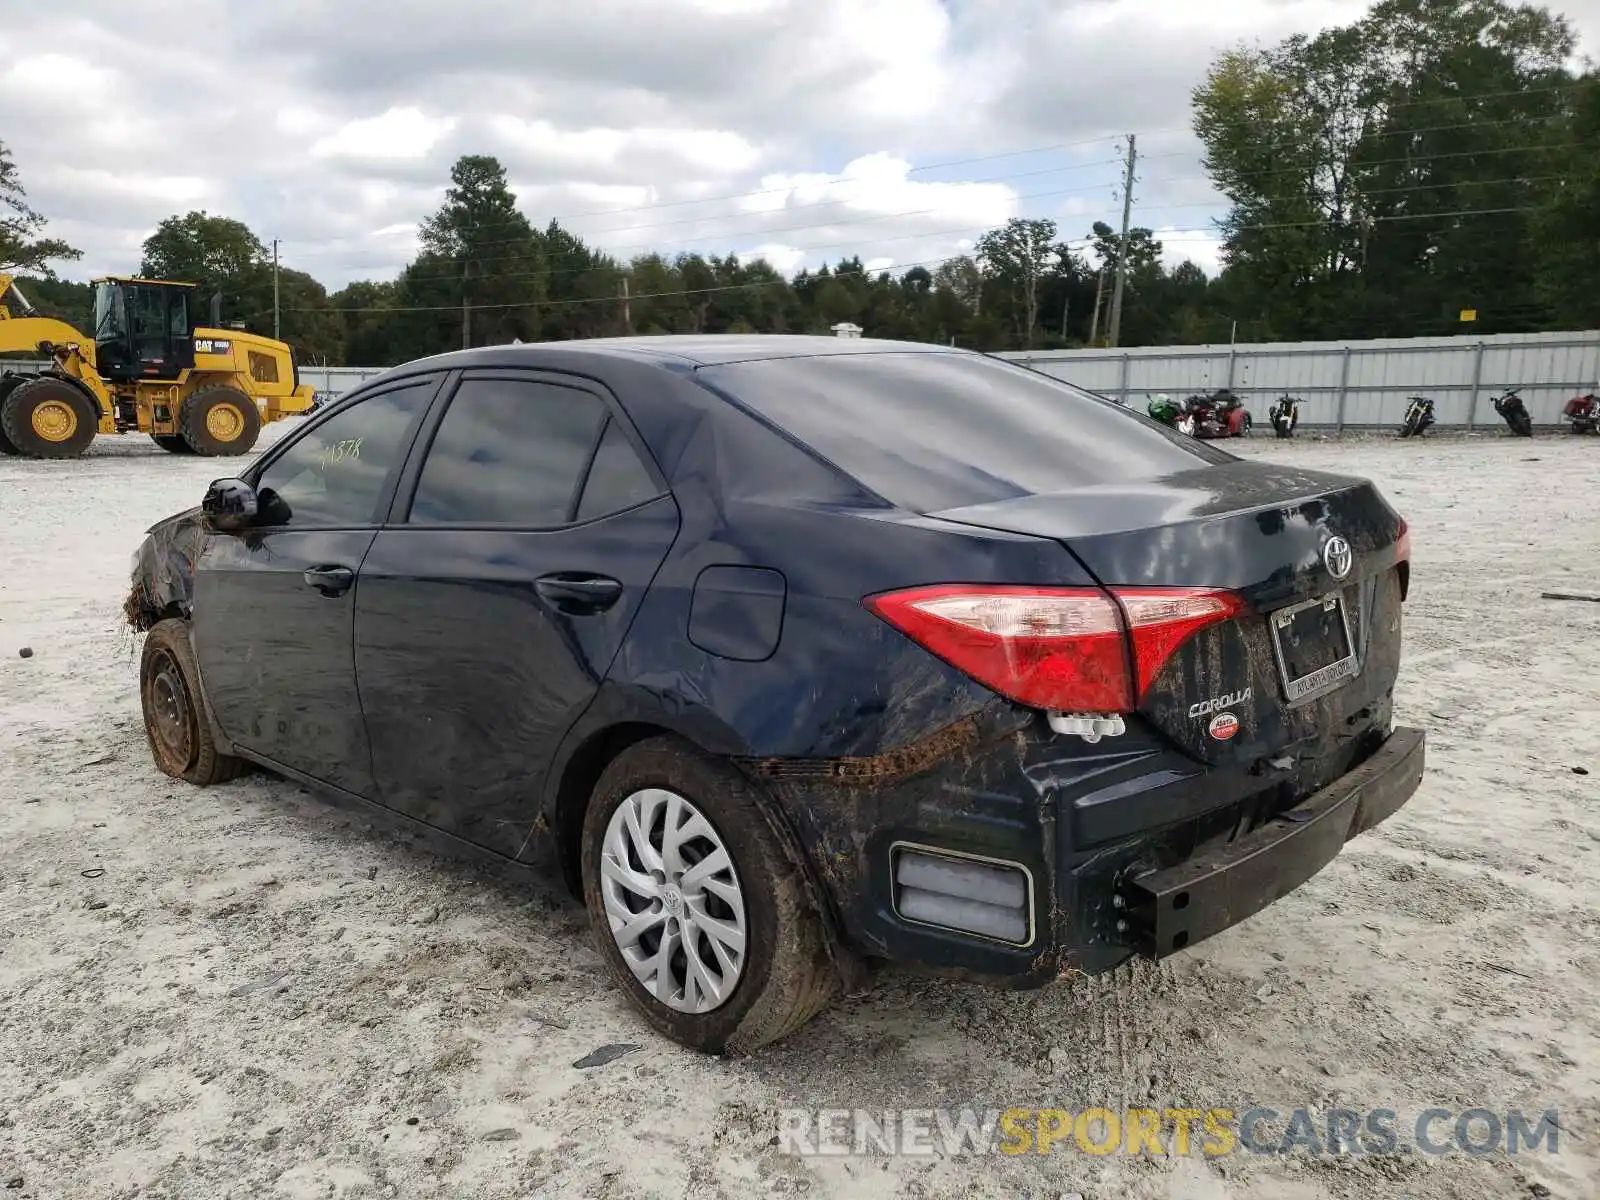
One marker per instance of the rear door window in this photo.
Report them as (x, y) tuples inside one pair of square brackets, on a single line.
[(930, 431), (508, 452), (617, 478)]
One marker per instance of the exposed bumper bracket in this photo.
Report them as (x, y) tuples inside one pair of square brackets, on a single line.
[(1221, 886)]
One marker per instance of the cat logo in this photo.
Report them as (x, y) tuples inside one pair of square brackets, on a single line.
[(213, 346)]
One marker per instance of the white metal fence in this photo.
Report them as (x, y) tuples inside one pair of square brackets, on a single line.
[(1342, 385), (1351, 385)]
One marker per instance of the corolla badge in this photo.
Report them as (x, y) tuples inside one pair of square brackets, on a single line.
[(1337, 557), (1217, 703)]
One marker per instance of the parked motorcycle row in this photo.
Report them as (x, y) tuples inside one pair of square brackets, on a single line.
[(1582, 413), (1222, 414)]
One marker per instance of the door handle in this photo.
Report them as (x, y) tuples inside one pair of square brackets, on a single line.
[(330, 581), (575, 593)]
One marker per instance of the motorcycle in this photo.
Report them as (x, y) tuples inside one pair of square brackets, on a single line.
[(1510, 407), (1584, 413), (1161, 408), (1285, 415), (1419, 415), (1221, 414)]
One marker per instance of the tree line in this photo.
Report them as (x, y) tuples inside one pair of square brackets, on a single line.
[(1435, 157)]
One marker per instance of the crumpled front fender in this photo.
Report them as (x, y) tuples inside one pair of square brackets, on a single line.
[(162, 583)]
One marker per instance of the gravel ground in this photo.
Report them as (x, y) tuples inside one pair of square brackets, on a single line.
[(245, 991)]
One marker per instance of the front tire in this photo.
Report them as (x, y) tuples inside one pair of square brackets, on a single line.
[(48, 418), (219, 421), (174, 714), (706, 922)]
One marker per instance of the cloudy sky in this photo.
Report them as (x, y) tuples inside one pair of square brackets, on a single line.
[(804, 130)]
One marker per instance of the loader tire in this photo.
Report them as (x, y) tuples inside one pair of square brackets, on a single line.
[(174, 711), (172, 443), (220, 421), (8, 384), (48, 418)]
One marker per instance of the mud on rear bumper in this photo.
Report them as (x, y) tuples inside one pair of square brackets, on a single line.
[(1218, 887), (1136, 851)]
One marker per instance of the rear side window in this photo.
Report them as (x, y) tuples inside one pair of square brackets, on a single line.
[(933, 431), (508, 452), (617, 479)]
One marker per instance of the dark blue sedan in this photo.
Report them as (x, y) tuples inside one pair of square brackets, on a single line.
[(798, 655)]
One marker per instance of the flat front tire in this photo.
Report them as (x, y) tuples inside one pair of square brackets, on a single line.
[(174, 714), (705, 920)]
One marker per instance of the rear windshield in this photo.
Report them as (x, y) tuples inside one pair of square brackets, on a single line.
[(931, 431)]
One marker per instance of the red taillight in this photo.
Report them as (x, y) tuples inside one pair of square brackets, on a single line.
[(1402, 546), (1162, 619), (1055, 648)]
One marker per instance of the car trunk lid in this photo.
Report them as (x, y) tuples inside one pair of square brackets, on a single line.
[(1311, 659)]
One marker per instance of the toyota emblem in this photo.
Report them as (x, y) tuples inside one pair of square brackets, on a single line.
[(1336, 556)]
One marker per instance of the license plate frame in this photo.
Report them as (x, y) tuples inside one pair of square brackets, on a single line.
[(1328, 677)]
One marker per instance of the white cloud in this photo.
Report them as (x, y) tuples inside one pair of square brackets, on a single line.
[(640, 124), (396, 133), (714, 150)]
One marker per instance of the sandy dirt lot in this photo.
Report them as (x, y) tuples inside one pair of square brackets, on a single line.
[(244, 991)]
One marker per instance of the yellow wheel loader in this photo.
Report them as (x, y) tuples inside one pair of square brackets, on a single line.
[(148, 368)]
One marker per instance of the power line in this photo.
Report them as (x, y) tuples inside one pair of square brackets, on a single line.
[(1046, 149), (936, 166), (863, 271), (1416, 159), (555, 272)]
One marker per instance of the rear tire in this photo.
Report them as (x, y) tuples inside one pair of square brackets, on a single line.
[(47, 417), (219, 421), (784, 975), (174, 713)]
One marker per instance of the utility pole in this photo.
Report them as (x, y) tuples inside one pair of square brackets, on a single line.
[(275, 331), (1122, 246), (627, 308), (466, 310), (1094, 321)]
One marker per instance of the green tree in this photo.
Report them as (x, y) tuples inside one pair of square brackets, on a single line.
[(1568, 229), (225, 258), (219, 254), (21, 247), (61, 299), (481, 250), (1383, 175), (1018, 255)]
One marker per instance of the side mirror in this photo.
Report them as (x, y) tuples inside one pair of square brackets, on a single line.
[(230, 504)]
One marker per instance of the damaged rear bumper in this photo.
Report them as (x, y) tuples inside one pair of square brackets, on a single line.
[(1219, 887), (1115, 852)]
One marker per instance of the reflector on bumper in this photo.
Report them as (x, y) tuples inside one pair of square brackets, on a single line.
[(983, 897)]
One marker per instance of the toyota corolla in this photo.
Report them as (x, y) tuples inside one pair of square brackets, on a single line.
[(795, 656)]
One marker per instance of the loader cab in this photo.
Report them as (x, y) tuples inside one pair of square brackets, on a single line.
[(143, 328)]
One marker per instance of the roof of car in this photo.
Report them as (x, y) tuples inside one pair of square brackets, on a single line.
[(701, 349)]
